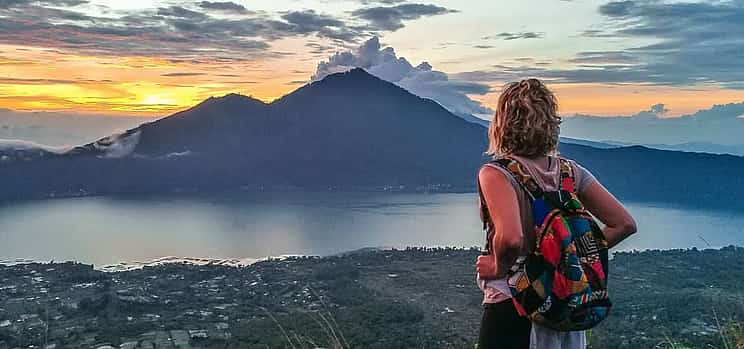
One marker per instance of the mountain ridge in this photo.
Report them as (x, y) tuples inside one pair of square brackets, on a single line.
[(349, 130)]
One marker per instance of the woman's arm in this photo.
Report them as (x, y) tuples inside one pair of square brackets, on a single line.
[(503, 208), (603, 205)]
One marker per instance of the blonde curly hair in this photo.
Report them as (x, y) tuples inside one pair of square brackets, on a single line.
[(526, 122)]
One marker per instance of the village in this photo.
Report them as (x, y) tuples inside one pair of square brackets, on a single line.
[(366, 299)]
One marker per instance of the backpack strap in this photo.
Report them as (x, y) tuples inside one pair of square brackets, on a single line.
[(568, 178), (529, 184), (484, 215), (521, 176)]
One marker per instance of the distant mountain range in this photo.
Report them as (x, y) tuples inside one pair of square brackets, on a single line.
[(695, 147), (593, 144), (349, 130)]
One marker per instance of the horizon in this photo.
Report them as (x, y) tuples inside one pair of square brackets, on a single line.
[(153, 58), (53, 131), (653, 72)]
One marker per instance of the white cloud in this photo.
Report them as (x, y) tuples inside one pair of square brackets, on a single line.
[(177, 154), (19, 144), (420, 80), (62, 128), (118, 145)]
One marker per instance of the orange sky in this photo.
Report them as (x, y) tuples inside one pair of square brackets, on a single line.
[(152, 58), (39, 79), (46, 79), (618, 100)]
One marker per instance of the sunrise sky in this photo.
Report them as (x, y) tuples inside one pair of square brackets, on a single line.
[(152, 58)]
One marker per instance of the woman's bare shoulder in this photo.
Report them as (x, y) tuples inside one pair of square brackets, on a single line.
[(492, 172)]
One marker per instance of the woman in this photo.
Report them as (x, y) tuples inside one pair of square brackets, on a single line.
[(525, 128)]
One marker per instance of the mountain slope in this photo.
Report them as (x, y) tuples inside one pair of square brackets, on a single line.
[(209, 126), (348, 130)]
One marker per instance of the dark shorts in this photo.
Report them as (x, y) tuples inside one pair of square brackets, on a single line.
[(503, 328)]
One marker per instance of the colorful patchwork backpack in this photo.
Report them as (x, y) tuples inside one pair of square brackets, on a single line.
[(562, 284)]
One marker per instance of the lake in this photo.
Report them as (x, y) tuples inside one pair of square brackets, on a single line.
[(102, 230)]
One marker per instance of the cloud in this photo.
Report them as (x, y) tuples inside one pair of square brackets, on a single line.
[(179, 74), (388, 2), (699, 42), (604, 57), (19, 144), (10, 3), (174, 32), (694, 43), (421, 80), (517, 35), (318, 49), (62, 128), (685, 44), (18, 3), (617, 8), (118, 145), (22, 81), (500, 73), (223, 6), (309, 21), (659, 109), (191, 31), (391, 18), (721, 124), (177, 154), (180, 12), (595, 33)]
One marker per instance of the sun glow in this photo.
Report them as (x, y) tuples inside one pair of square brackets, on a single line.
[(157, 100), (33, 78)]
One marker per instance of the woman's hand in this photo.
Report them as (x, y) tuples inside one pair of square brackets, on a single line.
[(486, 266)]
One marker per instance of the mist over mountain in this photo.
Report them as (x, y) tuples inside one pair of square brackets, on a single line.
[(348, 130), (61, 129)]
